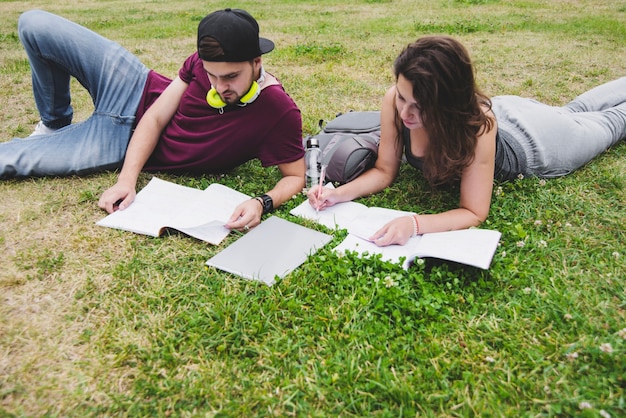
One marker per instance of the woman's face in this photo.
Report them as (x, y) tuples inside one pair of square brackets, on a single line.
[(408, 108)]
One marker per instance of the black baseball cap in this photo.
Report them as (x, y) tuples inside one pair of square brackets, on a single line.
[(237, 33)]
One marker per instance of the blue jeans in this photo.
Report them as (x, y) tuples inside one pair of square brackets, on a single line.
[(558, 140), (59, 49)]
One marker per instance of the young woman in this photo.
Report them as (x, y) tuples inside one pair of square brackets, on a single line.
[(446, 127)]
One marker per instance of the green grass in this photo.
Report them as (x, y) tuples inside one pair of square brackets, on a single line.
[(100, 322)]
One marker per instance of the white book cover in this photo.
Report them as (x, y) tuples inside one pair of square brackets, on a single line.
[(272, 249)]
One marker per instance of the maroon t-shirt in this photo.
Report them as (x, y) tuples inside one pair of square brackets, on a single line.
[(199, 139)]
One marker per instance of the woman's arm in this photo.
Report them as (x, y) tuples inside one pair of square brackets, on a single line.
[(378, 177), (475, 199)]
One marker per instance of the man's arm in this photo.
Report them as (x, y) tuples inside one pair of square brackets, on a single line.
[(290, 184), (141, 146), (248, 214)]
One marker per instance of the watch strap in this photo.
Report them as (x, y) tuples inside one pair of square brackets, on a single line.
[(260, 200), (267, 203)]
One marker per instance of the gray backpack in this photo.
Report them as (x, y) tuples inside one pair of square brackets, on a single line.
[(349, 144)]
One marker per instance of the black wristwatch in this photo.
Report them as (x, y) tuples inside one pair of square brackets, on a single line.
[(266, 202)]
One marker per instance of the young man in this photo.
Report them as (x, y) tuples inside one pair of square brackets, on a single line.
[(220, 111)]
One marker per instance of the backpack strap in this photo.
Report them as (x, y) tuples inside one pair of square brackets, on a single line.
[(355, 122)]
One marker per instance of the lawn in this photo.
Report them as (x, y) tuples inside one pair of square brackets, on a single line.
[(101, 322)]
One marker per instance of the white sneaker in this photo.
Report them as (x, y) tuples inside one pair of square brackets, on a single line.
[(42, 129)]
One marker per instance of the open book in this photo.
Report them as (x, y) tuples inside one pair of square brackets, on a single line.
[(474, 247), (160, 205)]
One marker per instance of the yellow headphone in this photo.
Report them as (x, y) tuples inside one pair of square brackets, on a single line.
[(214, 100)]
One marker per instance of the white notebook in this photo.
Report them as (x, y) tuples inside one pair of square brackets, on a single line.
[(474, 247), (272, 249), (160, 205)]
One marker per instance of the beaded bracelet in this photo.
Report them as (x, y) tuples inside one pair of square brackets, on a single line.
[(416, 225)]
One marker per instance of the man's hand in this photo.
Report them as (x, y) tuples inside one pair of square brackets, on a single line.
[(246, 215), (120, 196)]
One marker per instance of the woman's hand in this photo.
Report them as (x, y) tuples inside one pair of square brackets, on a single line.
[(320, 200), (397, 231)]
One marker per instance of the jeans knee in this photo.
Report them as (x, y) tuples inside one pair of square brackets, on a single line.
[(30, 22)]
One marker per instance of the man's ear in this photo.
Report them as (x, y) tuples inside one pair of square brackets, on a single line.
[(256, 64)]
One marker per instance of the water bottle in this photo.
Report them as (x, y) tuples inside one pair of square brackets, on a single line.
[(313, 162)]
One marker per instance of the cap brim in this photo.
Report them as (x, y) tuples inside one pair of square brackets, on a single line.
[(265, 45)]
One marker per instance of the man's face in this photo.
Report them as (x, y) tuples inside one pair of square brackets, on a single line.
[(232, 80)]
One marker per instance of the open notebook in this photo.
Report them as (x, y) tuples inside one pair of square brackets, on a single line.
[(474, 247), (163, 205)]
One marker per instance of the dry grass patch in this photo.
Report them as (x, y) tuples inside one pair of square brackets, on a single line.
[(51, 254)]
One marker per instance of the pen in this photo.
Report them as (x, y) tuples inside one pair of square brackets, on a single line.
[(319, 187)]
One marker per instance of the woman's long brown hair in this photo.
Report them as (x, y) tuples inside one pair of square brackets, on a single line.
[(441, 72)]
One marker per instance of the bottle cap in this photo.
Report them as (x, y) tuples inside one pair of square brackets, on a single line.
[(312, 142)]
